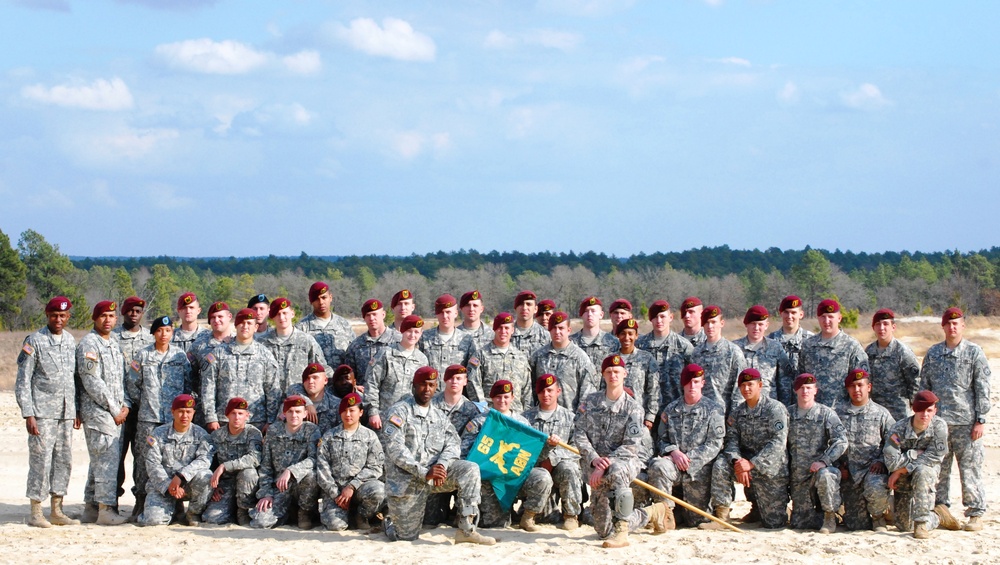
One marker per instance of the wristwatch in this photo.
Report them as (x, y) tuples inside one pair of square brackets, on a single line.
[(981, 420)]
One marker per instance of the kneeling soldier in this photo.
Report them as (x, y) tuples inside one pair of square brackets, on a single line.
[(238, 448)]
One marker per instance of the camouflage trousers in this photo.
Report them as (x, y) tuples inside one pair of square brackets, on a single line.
[(969, 455), (812, 495), (365, 503), (139, 474), (407, 497), (696, 490), (50, 458), (159, 507), (914, 498), (304, 492), (864, 500), (564, 477), (236, 490), (102, 476), (768, 494), (617, 479)]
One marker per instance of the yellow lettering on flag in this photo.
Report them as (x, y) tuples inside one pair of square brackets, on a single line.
[(520, 462), (484, 445), (498, 458)]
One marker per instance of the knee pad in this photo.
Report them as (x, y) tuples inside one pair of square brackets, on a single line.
[(622, 503)]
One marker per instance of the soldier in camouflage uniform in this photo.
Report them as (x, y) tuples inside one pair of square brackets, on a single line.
[(594, 341), (238, 448), (499, 360), (831, 355), (292, 348), (333, 333), (103, 409), (754, 455), (913, 453), (321, 405), (691, 315), (471, 305), (459, 409), (766, 355), (608, 432), (619, 311), (220, 319), (287, 468), (790, 335), (349, 464), (445, 345), (188, 310), (556, 466), (567, 362), (392, 370), (543, 311), (261, 307), (155, 377), (956, 371), (529, 336), (178, 463), (367, 346), (671, 351), (46, 394), (816, 440), (864, 479), (895, 370), (243, 368), (132, 338), (643, 377), (492, 514), (721, 360), (421, 452), (402, 304), (691, 434)]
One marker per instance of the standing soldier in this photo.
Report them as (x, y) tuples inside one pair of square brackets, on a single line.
[(643, 376), (402, 305), (670, 350), (103, 409), (864, 479), (323, 404), (421, 451), (390, 371), (720, 358), (367, 346), (543, 312), (816, 440), (46, 395), (445, 345), (956, 371), (333, 333), (608, 432), (755, 455), (564, 359), (220, 320), (556, 466), (178, 464), (498, 360), (287, 469), (261, 306), (528, 336), (471, 305), (766, 355), (895, 370), (132, 338), (691, 433), (292, 348), (594, 341), (459, 409), (831, 355), (791, 334), (238, 447), (619, 310), (691, 310), (156, 376), (349, 466), (188, 311)]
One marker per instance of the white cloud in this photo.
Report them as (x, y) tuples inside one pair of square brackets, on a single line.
[(497, 39), (305, 62), (212, 57), (283, 114), (639, 64), (409, 144), (789, 92), (165, 197), (865, 97), (225, 108), (738, 61), (548, 38), (396, 39), (99, 95), (133, 144)]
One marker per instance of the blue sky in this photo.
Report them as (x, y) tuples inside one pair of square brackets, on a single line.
[(246, 127)]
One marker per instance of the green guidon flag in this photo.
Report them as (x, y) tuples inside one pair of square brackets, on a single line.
[(506, 451)]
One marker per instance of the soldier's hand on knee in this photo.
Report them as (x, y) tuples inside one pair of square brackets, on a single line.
[(344, 499), (595, 477), (894, 477), (214, 483), (282, 482), (216, 495), (816, 466), (438, 474), (264, 504), (31, 425), (878, 468)]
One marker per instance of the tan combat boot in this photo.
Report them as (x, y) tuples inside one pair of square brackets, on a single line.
[(570, 522), (619, 538), (37, 519), (878, 524), (975, 524), (528, 521), (106, 516), (473, 537), (661, 517), (57, 516), (722, 513), (920, 530), (829, 523), (948, 521)]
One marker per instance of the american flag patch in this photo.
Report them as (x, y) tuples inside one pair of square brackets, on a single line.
[(210, 358), (151, 440), (135, 366), (28, 349), (894, 438), (91, 355), (396, 421)]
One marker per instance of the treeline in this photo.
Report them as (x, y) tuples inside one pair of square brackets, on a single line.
[(909, 283)]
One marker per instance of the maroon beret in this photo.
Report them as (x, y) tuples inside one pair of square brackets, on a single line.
[(410, 322), (244, 315), (132, 301), (803, 379), (217, 307), (293, 401), (370, 305), (352, 399), (545, 381), (629, 324), (756, 313), (501, 387), (58, 304), (657, 307), (620, 304), (102, 307), (747, 375), (883, 314), (923, 400), (469, 297), (951, 314), (312, 369), (277, 305), (710, 311), (401, 295), (318, 288), (425, 374), (612, 361), (186, 299), (855, 375), (182, 401), (547, 305), (827, 306), (342, 370), (588, 302), (443, 302), (690, 302), (790, 301), (236, 403), (691, 371), (453, 370), (558, 318), (501, 319), (524, 295)]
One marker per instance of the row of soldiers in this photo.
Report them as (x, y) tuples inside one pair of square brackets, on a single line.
[(259, 367)]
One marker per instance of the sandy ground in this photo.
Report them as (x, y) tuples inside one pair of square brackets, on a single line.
[(233, 544)]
